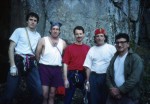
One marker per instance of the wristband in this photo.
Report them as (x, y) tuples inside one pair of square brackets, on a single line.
[(87, 82)]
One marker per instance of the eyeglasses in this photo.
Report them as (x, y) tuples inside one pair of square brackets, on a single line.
[(121, 42)]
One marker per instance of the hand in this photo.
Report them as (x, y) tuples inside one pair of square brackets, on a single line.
[(66, 83), (87, 86), (13, 70), (118, 96), (114, 92)]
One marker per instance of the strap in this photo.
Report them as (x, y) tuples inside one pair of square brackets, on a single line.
[(58, 50), (51, 42), (29, 41)]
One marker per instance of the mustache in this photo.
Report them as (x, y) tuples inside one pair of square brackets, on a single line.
[(79, 37)]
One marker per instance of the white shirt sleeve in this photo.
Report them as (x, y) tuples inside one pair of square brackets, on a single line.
[(88, 60), (15, 36)]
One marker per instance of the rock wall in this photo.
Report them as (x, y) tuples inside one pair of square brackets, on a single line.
[(113, 15)]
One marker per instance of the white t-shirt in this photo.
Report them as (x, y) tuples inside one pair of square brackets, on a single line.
[(52, 55), (98, 58), (119, 70), (19, 36)]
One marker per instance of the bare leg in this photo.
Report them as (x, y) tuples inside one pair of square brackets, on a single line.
[(51, 95), (45, 94)]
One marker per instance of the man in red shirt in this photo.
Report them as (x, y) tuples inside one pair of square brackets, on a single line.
[(73, 59)]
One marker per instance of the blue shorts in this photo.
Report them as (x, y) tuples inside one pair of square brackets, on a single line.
[(51, 75)]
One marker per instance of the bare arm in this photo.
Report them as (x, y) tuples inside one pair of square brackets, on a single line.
[(66, 82), (40, 48), (64, 45), (88, 71), (11, 53), (87, 84), (65, 66)]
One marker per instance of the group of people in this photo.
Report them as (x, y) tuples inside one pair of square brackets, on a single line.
[(110, 74)]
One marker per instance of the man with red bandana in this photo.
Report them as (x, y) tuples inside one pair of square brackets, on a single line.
[(96, 63), (74, 56)]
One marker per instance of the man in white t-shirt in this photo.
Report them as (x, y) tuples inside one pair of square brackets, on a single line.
[(23, 42), (96, 63)]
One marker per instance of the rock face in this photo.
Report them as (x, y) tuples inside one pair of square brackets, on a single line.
[(113, 15)]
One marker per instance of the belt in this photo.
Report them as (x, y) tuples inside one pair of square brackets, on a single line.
[(32, 57), (80, 71), (93, 72)]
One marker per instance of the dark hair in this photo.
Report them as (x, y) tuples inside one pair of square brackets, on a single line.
[(122, 35), (106, 38), (78, 28), (55, 24), (32, 14)]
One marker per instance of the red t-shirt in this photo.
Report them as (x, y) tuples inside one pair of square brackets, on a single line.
[(75, 55)]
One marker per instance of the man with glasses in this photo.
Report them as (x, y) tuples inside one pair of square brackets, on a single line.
[(96, 63), (124, 73)]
